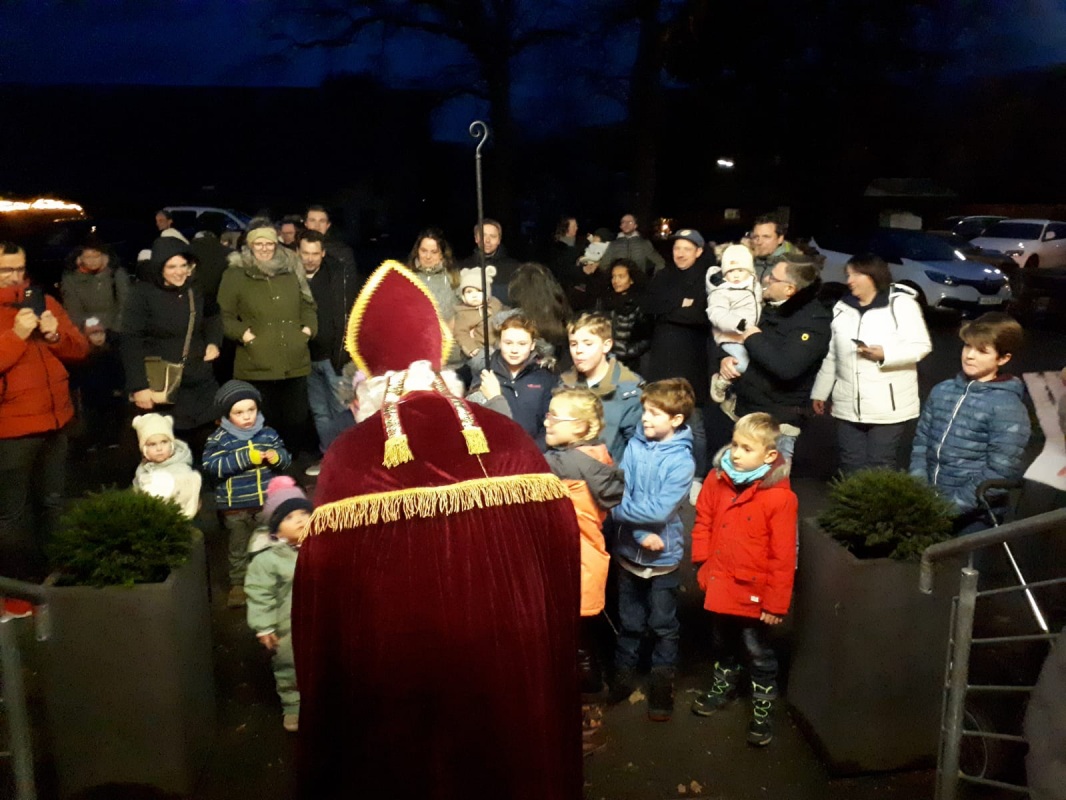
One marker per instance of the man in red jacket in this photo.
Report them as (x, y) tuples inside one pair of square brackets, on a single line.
[(35, 407)]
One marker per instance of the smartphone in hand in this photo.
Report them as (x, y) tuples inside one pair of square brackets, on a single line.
[(859, 342), (33, 299)]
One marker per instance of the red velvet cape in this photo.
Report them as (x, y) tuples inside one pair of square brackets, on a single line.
[(436, 657)]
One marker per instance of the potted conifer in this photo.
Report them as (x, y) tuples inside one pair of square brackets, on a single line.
[(869, 648), (130, 686)]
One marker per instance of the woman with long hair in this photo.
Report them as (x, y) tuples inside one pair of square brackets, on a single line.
[(534, 290)]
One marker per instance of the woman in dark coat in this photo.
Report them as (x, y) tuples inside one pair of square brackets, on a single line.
[(630, 326), (155, 323)]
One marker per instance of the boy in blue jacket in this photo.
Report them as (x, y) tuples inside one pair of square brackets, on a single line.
[(241, 456), (650, 540), (974, 427)]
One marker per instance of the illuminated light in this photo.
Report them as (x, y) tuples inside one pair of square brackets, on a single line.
[(40, 204), (960, 256), (726, 163)]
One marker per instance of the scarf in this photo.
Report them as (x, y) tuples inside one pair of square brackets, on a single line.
[(244, 434), (738, 477), (283, 261)]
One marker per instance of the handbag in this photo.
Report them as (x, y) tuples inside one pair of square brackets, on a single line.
[(164, 377)]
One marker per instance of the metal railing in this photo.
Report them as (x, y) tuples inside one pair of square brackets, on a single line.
[(12, 689), (957, 669)]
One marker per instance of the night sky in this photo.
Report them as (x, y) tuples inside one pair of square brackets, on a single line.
[(236, 43)]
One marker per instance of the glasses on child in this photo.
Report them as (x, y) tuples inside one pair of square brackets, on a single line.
[(552, 418)]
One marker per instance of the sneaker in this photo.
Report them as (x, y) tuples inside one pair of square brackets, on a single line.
[(12, 608), (723, 691), (236, 597), (719, 386), (313, 470), (291, 722), (661, 695), (694, 491)]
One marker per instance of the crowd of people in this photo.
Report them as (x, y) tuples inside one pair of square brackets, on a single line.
[(617, 364)]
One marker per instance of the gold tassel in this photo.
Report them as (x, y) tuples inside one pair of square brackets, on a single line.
[(397, 451), (476, 443), (435, 501)]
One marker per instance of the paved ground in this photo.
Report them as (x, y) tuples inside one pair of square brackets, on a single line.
[(687, 757)]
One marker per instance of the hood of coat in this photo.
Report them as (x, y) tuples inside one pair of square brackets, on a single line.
[(779, 470), (1002, 383), (181, 456), (617, 374), (163, 249)]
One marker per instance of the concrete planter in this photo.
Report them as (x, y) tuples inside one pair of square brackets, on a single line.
[(868, 663), (130, 683)]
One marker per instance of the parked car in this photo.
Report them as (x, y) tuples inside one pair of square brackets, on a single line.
[(1032, 243), (190, 219), (942, 275), (972, 226), (993, 258)]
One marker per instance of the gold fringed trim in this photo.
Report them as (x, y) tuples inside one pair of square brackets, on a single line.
[(476, 443), (397, 451), (435, 501)]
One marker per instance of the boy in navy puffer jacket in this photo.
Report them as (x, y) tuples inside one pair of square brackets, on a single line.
[(975, 426), (650, 540), (241, 456)]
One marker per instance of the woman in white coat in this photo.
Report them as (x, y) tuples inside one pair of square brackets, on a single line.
[(871, 374)]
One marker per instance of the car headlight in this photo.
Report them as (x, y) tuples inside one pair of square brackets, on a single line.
[(939, 277)]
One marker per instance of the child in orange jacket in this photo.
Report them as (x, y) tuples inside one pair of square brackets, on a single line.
[(744, 542)]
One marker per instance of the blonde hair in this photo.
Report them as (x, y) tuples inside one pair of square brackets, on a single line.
[(597, 324), (759, 426), (584, 405)]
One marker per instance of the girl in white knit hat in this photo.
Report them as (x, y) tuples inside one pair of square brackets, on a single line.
[(166, 464)]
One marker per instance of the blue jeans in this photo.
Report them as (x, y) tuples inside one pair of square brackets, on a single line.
[(322, 397), (647, 604)]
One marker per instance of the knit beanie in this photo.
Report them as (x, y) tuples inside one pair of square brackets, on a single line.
[(737, 256), (472, 278), (149, 425), (283, 497), (233, 391), (262, 233)]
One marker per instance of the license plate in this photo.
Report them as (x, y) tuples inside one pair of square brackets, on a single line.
[(989, 301)]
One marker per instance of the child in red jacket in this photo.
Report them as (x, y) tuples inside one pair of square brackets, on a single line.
[(744, 542)]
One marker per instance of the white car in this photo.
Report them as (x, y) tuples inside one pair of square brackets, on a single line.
[(942, 276), (1031, 243)]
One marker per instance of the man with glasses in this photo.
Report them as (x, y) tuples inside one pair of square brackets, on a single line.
[(37, 339), (786, 348)]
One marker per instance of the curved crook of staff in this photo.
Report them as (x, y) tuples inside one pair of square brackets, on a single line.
[(479, 130)]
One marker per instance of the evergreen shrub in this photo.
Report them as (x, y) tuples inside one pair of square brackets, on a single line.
[(119, 537), (884, 513)]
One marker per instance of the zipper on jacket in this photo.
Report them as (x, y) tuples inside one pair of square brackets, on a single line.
[(947, 429), (892, 395)]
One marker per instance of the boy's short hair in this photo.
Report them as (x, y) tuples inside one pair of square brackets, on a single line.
[(759, 426), (586, 406), (995, 329), (672, 395), (520, 321), (598, 325)]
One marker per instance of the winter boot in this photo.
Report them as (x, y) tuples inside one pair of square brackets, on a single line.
[(723, 691), (624, 684), (719, 386), (592, 687), (661, 694), (593, 738), (760, 729)]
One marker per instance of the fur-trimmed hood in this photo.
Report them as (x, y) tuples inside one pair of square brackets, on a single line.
[(780, 470)]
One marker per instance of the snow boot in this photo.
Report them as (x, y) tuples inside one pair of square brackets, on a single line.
[(661, 694), (623, 685), (593, 688), (723, 691), (760, 729)]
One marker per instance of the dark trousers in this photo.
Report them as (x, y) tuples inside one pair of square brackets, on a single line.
[(862, 445), (286, 410), (32, 482), (648, 604), (744, 639)]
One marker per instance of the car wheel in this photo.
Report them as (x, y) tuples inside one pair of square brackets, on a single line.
[(1033, 262)]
